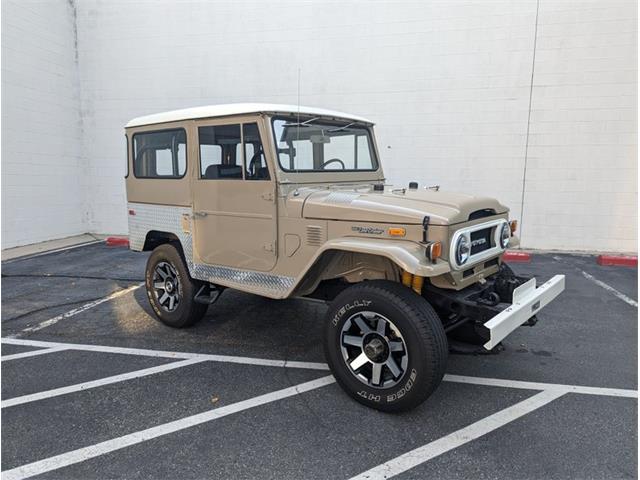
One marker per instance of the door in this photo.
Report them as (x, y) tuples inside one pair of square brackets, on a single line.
[(233, 198)]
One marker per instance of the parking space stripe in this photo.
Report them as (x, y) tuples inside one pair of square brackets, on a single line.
[(609, 288), (32, 353), (83, 308), (476, 430), (86, 453), (97, 383), (264, 362), (556, 387)]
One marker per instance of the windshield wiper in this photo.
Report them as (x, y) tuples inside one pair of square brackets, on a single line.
[(341, 128), (301, 124)]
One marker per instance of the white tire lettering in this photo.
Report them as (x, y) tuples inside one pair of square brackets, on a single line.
[(405, 389), (349, 306)]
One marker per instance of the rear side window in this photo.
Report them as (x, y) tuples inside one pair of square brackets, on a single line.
[(126, 138), (161, 154)]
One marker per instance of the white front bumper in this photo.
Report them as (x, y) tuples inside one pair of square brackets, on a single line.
[(527, 301)]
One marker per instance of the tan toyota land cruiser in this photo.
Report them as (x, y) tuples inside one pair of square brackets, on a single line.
[(288, 201)]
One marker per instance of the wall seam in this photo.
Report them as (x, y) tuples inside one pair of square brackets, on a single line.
[(83, 200)]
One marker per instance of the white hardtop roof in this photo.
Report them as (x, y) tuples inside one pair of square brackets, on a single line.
[(237, 109)]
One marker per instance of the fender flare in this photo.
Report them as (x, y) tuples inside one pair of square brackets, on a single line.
[(409, 256)]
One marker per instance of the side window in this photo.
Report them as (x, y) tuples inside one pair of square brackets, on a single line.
[(220, 156), (126, 138), (160, 154), (255, 163), (248, 150), (209, 155)]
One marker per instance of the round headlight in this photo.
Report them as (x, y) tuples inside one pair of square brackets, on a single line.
[(462, 250), (505, 235)]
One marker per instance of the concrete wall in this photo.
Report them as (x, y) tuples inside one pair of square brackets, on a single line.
[(464, 94), (42, 192)]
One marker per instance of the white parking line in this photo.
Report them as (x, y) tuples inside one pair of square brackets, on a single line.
[(97, 383), (460, 437), (169, 354), (82, 454), (557, 387), (32, 353), (76, 311), (265, 362), (609, 288)]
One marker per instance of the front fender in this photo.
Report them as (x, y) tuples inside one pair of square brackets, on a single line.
[(409, 256)]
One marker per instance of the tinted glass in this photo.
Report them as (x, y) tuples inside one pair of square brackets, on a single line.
[(255, 163), (160, 154), (220, 155)]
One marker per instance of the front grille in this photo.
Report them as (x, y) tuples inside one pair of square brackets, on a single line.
[(480, 240)]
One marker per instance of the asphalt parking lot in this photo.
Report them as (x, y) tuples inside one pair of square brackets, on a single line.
[(94, 387)]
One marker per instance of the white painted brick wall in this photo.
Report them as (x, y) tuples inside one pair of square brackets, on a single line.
[(582, 162), (448, 84), (41, 131)]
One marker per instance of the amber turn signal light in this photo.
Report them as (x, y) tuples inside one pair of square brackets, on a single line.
[(434, 250), (513, 225), (397, 232)]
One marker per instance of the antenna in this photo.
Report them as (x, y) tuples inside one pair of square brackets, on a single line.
[(298, 120)]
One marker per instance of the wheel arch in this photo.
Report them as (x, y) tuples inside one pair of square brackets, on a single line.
[(155, 238), (358, 259)]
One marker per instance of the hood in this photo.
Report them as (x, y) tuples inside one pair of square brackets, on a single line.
[(395, 206)]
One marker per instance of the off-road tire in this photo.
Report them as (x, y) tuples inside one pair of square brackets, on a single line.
[(421, 329), (187, 312)]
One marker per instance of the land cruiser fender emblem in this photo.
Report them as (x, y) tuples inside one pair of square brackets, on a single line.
[(368, 230)]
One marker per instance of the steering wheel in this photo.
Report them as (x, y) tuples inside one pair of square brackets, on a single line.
[(257, 157), (334, 160)]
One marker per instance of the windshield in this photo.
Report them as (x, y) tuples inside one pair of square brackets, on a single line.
[(314, 145)]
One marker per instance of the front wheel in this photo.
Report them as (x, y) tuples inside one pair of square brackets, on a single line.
[(385, 345)]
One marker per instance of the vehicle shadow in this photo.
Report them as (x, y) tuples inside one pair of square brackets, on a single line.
[(246, 324)]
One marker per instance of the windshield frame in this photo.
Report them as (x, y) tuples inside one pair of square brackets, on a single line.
[(336, 122)]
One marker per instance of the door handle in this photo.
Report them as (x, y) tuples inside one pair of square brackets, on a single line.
[(200, 214)]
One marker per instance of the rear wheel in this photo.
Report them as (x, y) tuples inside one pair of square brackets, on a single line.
[(385, 345), (170, 289)]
